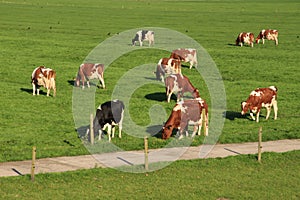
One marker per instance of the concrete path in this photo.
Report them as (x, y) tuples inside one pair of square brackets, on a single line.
[(132, 158)]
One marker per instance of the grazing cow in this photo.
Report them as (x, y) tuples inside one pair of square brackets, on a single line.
[(42, 76), (268, 34), (89, 71), (167, 66), (109, 114), (143, 35), (245, 38), (184, 113), (178, 83), (186, 55), (261, 97)]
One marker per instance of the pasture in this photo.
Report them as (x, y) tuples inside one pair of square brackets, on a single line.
[(61, 34)]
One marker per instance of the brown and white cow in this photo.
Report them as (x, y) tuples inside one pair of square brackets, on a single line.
[(186, 55), (184, 113), (167, 66), (42, 76), (89, 71), (178, 83), (245, 38), (143, 35), (268, 34), (261, 97)]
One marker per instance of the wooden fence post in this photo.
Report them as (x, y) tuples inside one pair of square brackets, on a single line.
[(92, 129), (259, 144), (33, 162), (146, 152)]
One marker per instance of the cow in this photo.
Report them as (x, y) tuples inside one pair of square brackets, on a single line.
[(42, 76), (89, 71), (186, 55), (261, 97), (245, 38), (268, 34), (184, 113), (109, 114), (167, 66), (178, 83), (143, 35)]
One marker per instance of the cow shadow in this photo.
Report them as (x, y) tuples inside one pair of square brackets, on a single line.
[(159, 96), (231, 44), (232, 115), (29, 91), (71, 82)]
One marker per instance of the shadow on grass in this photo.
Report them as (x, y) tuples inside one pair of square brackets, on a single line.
[(232, 115), (29, 91), (155, 130), (159, 96)]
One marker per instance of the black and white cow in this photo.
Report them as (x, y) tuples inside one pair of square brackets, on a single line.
[(143, 35), (109, 114)]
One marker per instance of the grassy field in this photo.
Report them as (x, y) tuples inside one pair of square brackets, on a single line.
[(238, 177), (61, 34)]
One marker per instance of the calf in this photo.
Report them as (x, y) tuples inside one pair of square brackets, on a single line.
[(143, 35), (261, 97), (109, 114), (184, 113), (243, 38), (268, 34), (167, 66), (186, 55), (178, 83), (89, 71), (45, 77)]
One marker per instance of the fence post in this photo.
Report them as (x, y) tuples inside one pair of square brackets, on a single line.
[(92, 129), (259, 144), (33, 162), (146, 152)]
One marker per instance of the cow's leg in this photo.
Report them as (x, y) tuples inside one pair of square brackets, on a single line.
[(276, 41), (275, 109), (141, 43), (257, 116), (33, 89), (102, 81), (100, 134), (48, 92), (169, 97), (88, 83), (191, 64), (87, 133), (113, 131), (268, 112), (196, 127), (263, 40), (251, 115), (109, 132), (38, 91)]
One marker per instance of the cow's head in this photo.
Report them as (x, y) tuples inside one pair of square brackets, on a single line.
[(245, 107), (167, 131)]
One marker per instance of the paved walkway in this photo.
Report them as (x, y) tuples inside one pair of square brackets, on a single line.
[(131, 158)]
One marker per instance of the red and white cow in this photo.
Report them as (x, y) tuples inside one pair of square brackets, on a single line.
[(184, 113), (245, 38), (268, 34), (261, 97), (178, 83), (186, 55), (89, 71), (167, 66), (143, 35), (42, 76)]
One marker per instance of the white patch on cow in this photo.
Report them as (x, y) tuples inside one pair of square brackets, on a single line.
[(183, 109), (178, 106), (273, 88), (257, 94), (244, 104)]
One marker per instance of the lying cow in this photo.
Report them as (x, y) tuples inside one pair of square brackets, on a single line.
[(184, 113), (261, 97), (268, 34), (143, 35), (89, 71), (109, 114), (42, 76), (245, 38), (167, 66), (186, 55), (178, 83)]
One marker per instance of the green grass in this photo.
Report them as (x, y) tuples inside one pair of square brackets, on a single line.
[(237, 177), (61, 34)]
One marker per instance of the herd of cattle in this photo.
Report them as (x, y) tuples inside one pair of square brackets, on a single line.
[(248, 37), (168, 70)]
